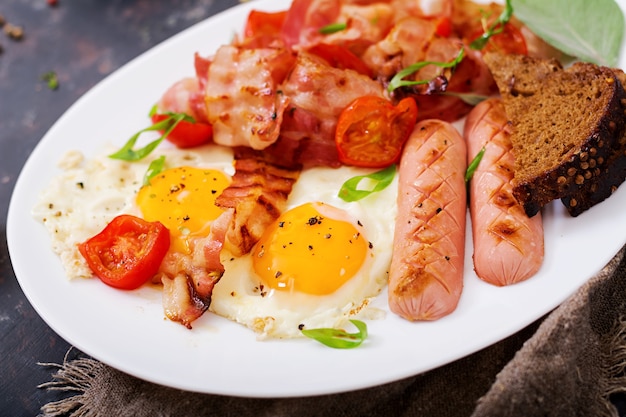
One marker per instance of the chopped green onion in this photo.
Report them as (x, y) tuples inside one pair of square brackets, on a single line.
[(398, 80), (332, 28), (155, 168), (497, 27), (127, 153), (474, 164), (382, 179), (338, 338)]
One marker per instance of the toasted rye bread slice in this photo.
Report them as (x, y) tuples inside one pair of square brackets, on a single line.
[(604, 183), (568, 126)]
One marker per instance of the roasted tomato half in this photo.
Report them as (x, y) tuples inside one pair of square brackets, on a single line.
[(371, 131), (127, 252)]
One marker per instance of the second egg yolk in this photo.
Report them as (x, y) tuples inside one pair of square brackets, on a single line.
[(311, 249)]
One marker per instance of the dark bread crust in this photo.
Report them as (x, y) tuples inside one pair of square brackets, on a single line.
[(606, 182), (568, 126)]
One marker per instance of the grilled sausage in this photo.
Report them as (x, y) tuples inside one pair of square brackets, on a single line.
[(508, 245), (426, 273)]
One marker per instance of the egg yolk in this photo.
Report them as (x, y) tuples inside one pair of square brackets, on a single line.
[(310, 249), (183, 200)]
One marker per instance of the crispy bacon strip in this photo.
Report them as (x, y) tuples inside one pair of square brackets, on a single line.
[(318, 93), (188, 279), (243, 101), (258, 194)]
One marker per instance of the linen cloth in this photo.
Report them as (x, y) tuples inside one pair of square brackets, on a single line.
[(570, 363)]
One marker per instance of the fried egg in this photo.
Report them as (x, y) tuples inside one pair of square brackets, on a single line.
[(79, 202), (318, 265)]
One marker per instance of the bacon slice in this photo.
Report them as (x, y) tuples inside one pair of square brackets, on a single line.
[(188, 279), (305, 18), (185, 96), (366, 24), (258, 194), (243, 102), (318, 93)]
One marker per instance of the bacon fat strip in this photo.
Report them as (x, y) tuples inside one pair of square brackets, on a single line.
[(508, 245), (426, 273), (258, 194)]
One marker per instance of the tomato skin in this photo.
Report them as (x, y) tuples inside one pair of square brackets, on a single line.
[(371, 131), (187, 134), (340, 57), (127, 252)]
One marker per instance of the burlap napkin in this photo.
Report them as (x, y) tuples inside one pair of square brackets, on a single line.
[(569, 364)]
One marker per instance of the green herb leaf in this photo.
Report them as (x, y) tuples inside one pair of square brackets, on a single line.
[(349, 190), (471, 168), (155, 168), (589, 30), (469, 98), (338, 338), (128, 153), (332, 28), (398, 80), (51, 79), (497, 27)]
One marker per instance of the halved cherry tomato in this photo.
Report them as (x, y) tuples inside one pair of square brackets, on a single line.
[(509, 41), (371, 131), (187, 134), (340, 57), (443, 26), (127, 252), (264, 23)]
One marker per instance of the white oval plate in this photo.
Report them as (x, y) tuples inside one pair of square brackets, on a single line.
[(127, 330)]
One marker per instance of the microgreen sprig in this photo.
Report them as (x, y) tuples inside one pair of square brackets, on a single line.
[(155, 168), (471, 168), (339, 338), (349, 190), (332, 28), (128, 153), (496, 28), (469, 98), (398, 80)]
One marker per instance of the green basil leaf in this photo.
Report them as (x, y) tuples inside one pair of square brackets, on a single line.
[(589, 30), (349, 190), (471, 168), (398, 80), (155, 168), (332, 28), (497, 27), (338, 338)]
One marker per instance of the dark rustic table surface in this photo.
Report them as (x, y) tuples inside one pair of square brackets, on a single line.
[(81, 42)]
